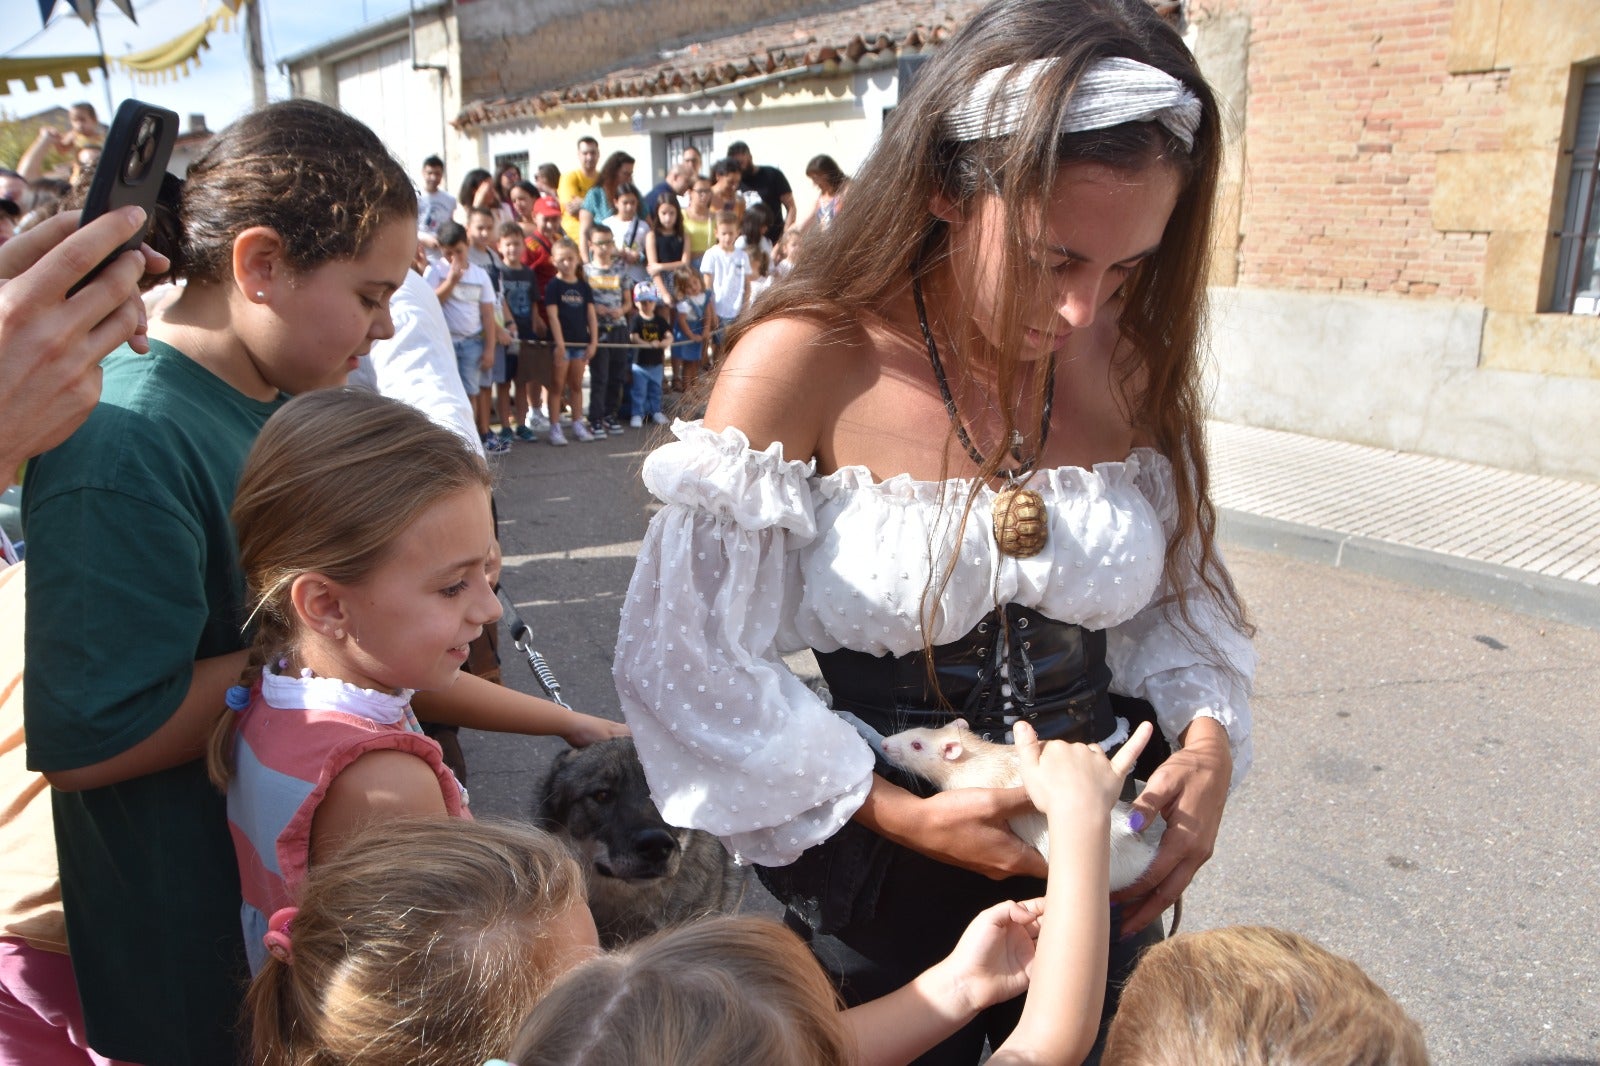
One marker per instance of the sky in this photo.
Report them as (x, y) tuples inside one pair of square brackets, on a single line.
[(219, 87)]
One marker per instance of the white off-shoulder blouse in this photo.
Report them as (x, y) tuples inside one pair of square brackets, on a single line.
[(753, 556)]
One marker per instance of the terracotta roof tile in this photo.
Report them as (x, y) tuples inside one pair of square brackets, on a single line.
[(877, 28)]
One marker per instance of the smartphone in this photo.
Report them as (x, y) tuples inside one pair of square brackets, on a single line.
[(132, 166)]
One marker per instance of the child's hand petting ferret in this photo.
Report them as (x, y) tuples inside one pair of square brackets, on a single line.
[(1074, 777)]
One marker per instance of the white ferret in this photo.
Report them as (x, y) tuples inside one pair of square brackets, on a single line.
[(953, 756)]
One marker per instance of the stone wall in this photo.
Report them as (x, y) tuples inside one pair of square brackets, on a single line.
[(1384, 254), (1350, 107)]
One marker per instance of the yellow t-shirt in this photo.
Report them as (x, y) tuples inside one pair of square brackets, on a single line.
[(700, 235), (573, 186)]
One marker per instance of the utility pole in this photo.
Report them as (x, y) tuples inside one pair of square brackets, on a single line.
[(254, 53), (105, 73)]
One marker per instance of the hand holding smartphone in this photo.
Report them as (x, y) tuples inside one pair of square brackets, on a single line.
[(132, 166)]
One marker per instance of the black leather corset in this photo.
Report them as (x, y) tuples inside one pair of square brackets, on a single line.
[(1015, 663)]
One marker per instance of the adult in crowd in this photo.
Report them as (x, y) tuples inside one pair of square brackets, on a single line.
[(546, 178), (691, 156), (769, 184), (958, 453), (80, 141), (505, 179), (435, 207), (725, 196), (523, 196), (575, 185), (478, 190), (830, 182), (600, 202), (676, 185)]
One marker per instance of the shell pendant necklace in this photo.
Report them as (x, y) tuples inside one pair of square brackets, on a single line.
[(1021, 525)]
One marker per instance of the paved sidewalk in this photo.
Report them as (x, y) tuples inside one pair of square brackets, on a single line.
[(1522, 541)]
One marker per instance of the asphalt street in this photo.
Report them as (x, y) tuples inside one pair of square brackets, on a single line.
[(1422, 799)]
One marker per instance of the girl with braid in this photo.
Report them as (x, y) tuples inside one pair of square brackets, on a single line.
[(368, 551)]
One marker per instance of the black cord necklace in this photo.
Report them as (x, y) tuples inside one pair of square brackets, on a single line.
[(1021, 525)]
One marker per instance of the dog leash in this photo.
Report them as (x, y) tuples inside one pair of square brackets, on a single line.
[(522, 637)]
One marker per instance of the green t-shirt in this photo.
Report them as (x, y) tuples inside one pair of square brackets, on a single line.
[(133, 574)]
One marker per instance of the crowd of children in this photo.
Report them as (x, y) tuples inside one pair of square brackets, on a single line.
[(519, 302)]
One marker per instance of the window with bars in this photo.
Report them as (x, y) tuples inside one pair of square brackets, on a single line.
[(516, 159), (700, 140), (1577, 288)]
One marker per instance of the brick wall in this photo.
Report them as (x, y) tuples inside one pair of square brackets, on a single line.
[(512, 46), (1349, 106)]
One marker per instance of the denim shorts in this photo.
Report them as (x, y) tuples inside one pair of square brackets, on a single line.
[(469, 353), (576, 352)]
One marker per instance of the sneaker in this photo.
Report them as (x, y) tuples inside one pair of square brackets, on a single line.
[(614, 427), (581, 431), (659, 419), (635, 422), (538, 422), (493, 445), (526, 434), (505, 434), (558, 438)]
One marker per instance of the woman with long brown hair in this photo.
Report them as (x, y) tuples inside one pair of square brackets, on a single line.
[(600, 203), (958, 453)]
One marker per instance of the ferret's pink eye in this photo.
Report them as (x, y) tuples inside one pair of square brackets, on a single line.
[(916, 745)]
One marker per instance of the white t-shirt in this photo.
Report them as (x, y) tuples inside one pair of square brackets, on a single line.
[(630, 234), (461, 312), (766, 246), (728, 271), (434, 210), (418, 364)]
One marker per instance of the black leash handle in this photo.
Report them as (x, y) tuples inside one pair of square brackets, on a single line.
[(522, 637)]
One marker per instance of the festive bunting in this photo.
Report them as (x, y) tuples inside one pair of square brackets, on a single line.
[(174, 58), (30, 70), (85, 9)]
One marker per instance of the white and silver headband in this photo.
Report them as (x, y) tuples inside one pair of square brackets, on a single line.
[(1112, 91)]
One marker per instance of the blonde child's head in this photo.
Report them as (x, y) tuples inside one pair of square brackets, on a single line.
[(686, 281), (423, 942), (566, 257), (335, 480), (1253, 996), (734, 990), (789, 246)]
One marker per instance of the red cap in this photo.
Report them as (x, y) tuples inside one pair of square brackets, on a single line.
[(547, 207)]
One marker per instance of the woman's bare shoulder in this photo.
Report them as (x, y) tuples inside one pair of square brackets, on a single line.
[(784, 381)]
